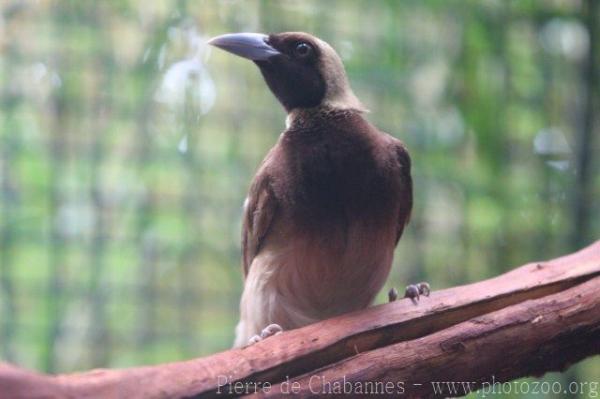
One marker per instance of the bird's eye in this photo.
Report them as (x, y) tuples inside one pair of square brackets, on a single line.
[(303, 49)]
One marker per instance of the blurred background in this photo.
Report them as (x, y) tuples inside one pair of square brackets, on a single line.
[(127, 146)]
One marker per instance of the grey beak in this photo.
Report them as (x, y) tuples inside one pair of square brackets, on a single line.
[(252, 46)]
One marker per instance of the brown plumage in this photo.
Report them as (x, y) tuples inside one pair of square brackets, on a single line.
[(330, 200)]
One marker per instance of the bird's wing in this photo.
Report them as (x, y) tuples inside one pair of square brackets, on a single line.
[(406, 193), (259, 212)]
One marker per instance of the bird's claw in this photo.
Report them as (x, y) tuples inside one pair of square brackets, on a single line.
[(271, 329), (414, 291), (424, 288), (254, 339), (392, 294), (268, 331)]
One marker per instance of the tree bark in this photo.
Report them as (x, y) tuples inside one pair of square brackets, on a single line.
[(540, 317)]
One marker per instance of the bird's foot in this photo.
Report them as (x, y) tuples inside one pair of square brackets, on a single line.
[(414, 291), (268, 331), (392, 294)]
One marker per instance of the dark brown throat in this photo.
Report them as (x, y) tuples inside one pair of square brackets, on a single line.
[(294, 85)]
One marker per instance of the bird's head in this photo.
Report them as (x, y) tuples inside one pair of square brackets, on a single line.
[(301, 70)]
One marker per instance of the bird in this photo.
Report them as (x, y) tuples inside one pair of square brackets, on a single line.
[(328, 203)]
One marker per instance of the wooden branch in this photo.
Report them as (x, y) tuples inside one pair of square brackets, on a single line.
[(540, 317), (528, 338)]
